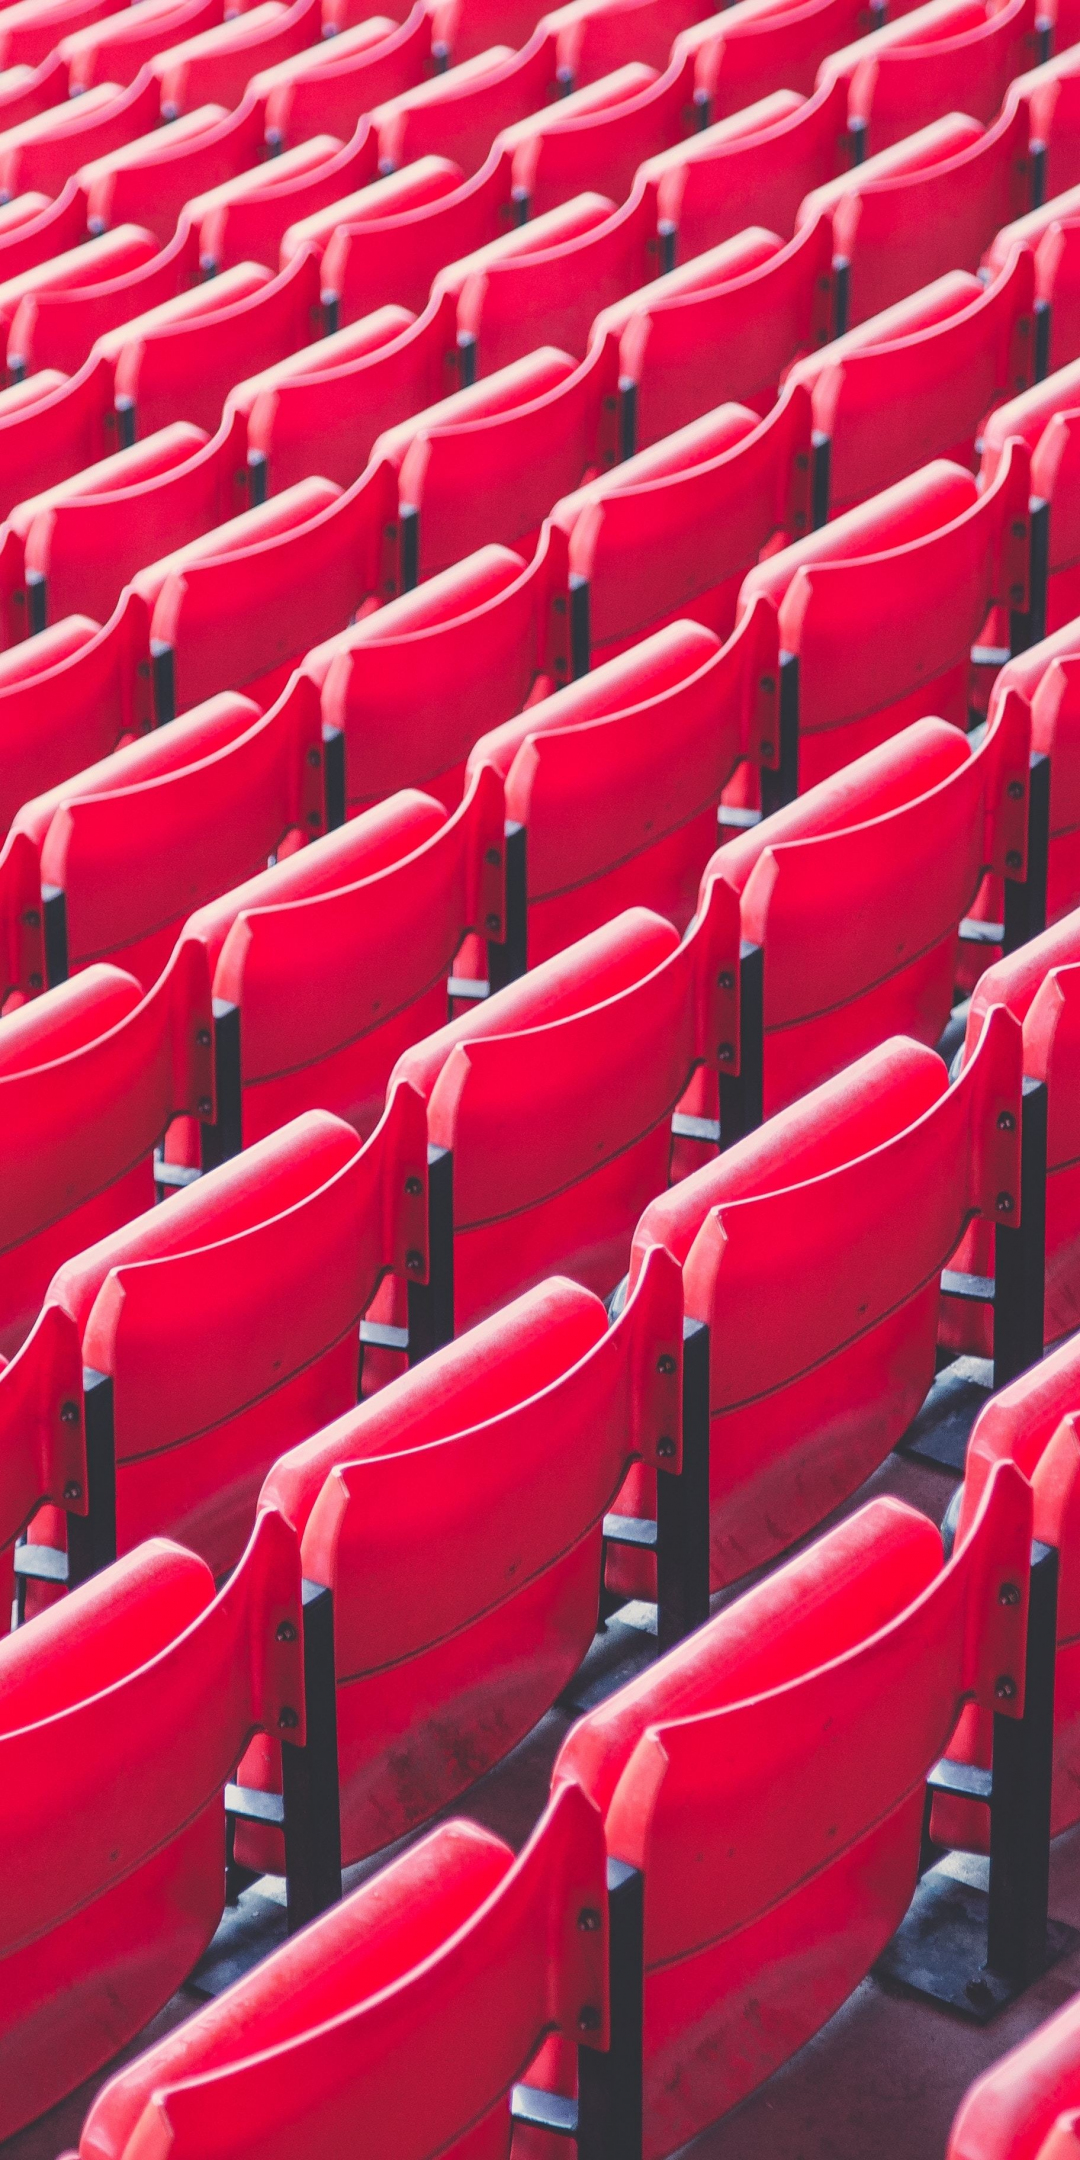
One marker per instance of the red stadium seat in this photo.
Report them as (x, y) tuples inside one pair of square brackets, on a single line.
[(158, 170), (595, 1048), (259, 1242), (331, 85), (183, 367), (60, 329), (946, 56), (399, 256), (675, 529), (743, 1963), (460, 113), (406, 692), (83, 542), (1025, 2107), (746, 55), (930, 204), (524, 431), (146, 1681), (161, 453), (599, 134), (91, 1075), (245, 219), (1038, 983), (115, 255), (218, 64), (810, 1387), (289, 950), (308, 416), (542, 1399), (682, 346), (1047, 417), (754, 168), (614, 781), (929, 550), (918, 381), (290, 579), (112, 862), (114, 48), (41, 153), (1033, 1424), (447, 1971)]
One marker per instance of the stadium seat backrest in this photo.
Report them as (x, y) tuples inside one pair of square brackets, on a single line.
[(616, 779), (900, 390), (554, 156), (930, 204), (330, 421), (743, 57), (1040, 983), (468, 480), (673, 530), (447, 1973), (734, 339), (57, 819), (125, 1710), (593, 1050), (776, 1869), (1033, 1423), (399, 258), (253, 615), (451, 664), (285, 1246), (908, 85), (132, 864), (808, 1392), (60, 328), (512, 1442), (91, 1077), (883, 606), (460, 113), (906, 832), (344, 82), (338, 958), (739, 173), (508, 307)]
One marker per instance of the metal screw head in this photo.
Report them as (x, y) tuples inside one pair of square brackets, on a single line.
[(1012, 859), (414, 1261), (493, 857), (286, 1631), (1016, 595), (72, 1490), (1006, 1121), (802, 462), (725, 980), (413, 1187), (205, 1106), (287, 1720), (665, 1446), (768, 749), (32, 918), (35, 980), (1019, 529), (590, 2019), (726, 1053), (491, 923), (665, 1365), (1015, 790), (768, 684), (1008, 1594), (314, 757), (1005, 1689), (314, 820), (202, 1037), (1004, 1203), (588, 1920), (69, 1413)]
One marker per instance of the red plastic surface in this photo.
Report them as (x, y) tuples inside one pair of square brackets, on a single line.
[(111, 1904)]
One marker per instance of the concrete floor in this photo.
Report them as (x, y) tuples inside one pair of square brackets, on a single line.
[(882, 2080)]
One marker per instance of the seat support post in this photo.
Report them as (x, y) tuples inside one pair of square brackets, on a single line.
[(610, 2095), (682, 1505), (1020, 1795), (742, 1093), (1025, 901), (92, 1537), (510, 958), (431, 1304), (224, 1137), (1020, 1251), (780, 783), (309, 1774)]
